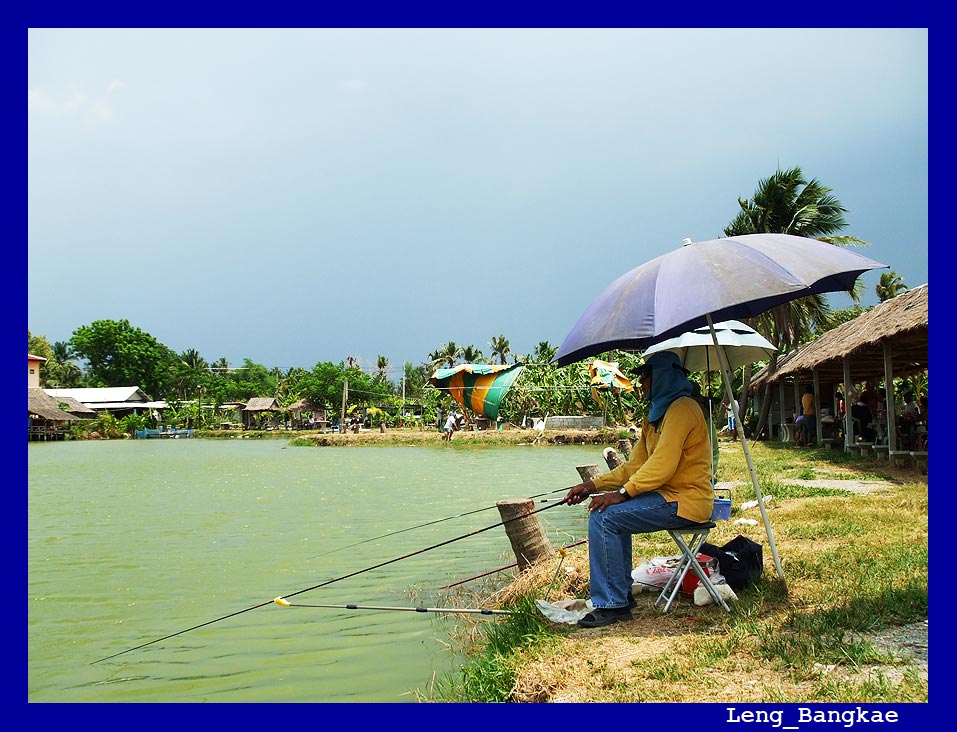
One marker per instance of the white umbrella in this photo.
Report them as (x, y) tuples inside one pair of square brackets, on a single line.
[(696, 349)]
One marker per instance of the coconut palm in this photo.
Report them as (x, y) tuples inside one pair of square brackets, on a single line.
[(787, 203), (891, 285), (544, 352), (471, 354), (447, 355), (500, 348), (68, 372), (382, 365)]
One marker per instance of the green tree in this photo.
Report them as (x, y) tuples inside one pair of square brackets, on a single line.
[(787, 203), (544, 352), (471, 354), (500, 348), (382, 367), (891, 285), (446, 356), (69, 374), (119, 354)]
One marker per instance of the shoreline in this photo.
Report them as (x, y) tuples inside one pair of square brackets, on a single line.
[(398, 436)]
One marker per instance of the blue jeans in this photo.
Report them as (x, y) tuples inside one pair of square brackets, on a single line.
[(609, 543)]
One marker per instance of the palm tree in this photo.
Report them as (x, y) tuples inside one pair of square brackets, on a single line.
[(447, 355), (192, 359), (68, 372), (382, 365), (500, 348), (471, 354), (891, 285), (787, 203), (544, 352)]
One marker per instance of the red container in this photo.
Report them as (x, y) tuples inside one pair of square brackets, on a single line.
[(690, 583)]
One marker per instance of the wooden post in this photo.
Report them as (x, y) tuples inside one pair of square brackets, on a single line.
[(587, 472), (527, 536), (612, 458)]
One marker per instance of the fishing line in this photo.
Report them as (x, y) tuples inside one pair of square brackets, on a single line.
[(337, 579), (420, 526)]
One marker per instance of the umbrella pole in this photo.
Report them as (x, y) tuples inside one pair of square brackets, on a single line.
[(722, 356)]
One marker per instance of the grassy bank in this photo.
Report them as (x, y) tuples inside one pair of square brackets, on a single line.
[(399, 436), (851, 534)]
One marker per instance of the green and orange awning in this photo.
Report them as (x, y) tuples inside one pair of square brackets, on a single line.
[(605, 375), (478, 386)]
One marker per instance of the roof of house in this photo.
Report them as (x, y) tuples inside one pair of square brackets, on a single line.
[(261, 404), (103, 395), (43, 405), (31, 357), (899, 323), (74, 407)]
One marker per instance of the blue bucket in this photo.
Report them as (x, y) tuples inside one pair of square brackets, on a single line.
[(722, 506)]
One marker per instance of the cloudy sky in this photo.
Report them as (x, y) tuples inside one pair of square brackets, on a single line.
[(305, 195)]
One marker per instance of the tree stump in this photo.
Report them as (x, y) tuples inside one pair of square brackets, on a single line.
[(525, 532), (625, 447), (587, 472), (612, 458)]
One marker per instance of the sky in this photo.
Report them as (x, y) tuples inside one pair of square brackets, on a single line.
[(300, 195)]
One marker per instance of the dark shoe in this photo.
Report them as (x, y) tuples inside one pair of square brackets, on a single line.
[(605, 616), (632, 602)]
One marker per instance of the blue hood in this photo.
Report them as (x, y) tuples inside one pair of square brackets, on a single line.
[(668, 382)]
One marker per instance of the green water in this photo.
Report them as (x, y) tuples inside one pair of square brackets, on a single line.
[(131, 541)]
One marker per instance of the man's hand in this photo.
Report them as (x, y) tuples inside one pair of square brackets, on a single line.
[(603, 500), (578, 493)]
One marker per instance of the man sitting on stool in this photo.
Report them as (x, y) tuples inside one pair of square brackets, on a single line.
[(665, 484)]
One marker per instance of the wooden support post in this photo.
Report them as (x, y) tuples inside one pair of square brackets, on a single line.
[(612, 458), (525, 532), (587, 472)]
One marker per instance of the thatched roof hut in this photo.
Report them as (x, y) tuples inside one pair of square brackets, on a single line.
[(896, 329), (42, 405), (74, 407), (261, 404)]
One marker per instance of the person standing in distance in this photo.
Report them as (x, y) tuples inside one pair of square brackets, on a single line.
[(665, 484)]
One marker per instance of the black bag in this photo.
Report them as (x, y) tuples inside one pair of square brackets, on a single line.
[(740, 561)]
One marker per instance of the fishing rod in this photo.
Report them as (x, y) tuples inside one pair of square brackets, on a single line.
[(337, 579), (502, 569), (481, 610), (420, 526)]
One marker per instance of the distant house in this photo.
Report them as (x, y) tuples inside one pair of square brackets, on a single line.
[(117, 400), (259, 411), (33, 370)]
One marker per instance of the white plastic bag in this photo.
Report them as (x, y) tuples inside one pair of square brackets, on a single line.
[(568, 612), (655, 573)]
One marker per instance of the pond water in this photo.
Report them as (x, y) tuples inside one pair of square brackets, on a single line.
[(133, 541)]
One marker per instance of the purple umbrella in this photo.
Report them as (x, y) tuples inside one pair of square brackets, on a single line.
[(733, 278)]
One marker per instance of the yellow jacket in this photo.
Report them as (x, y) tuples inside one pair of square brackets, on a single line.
[(675, 461)]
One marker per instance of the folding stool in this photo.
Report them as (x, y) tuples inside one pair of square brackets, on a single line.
[(697, 534)]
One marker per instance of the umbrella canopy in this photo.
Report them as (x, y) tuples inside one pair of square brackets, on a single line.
[(733, 277), (478, 386), (696, 349), (719, 279)]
